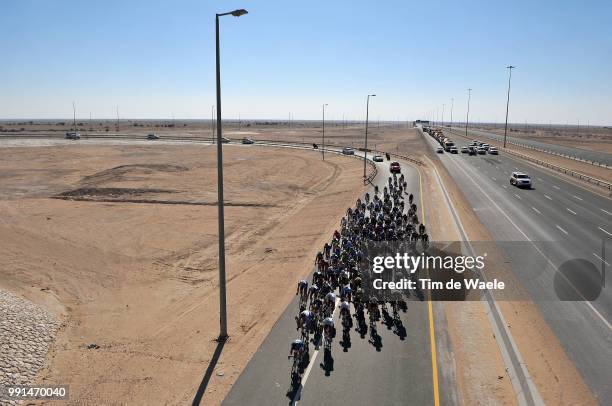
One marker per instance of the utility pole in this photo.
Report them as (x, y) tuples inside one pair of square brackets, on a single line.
[(74, 117), (323, 144), (452, 104), (467, 117), (212, 122), (510, 67), (117, 118), (443, 114), (365, 150)]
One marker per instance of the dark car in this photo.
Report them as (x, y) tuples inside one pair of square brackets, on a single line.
[(248, 141), (152, 136), (395, 167)]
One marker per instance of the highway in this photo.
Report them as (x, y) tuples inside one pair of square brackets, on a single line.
[(556, 221), (583, 154), (398, 372)]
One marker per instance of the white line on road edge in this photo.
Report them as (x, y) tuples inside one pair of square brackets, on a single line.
[(579, 198), (517, 196), (606, 211), (505, 187), (536, 210), (548, 197), (570, 210), (561, 229), (584, 300), (601, 259), (524, 388), (605, 231), (556, 187)]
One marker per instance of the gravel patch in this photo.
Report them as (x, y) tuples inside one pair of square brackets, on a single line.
[(26, 331)]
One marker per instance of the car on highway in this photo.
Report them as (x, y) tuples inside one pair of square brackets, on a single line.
[(453, 150), (481, 151), (395, 167), (464, 150), (225, 140), (472, 150), (493, 151), (73, 136), (377, 158), (485, 146), (152, 136), (248, 141), (348, 151), (520, 179), (440, 150)]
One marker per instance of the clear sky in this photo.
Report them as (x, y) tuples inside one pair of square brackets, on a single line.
[(155, 59)]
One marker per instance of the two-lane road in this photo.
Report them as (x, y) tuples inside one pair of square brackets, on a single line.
[(357, 373)]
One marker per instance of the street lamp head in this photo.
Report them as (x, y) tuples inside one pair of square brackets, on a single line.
[(373, 95), (239, 12), (510, 67)]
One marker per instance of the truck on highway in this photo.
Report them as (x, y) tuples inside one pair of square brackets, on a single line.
[(448, 144)]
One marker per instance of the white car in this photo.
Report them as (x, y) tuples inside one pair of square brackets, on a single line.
[(377, 158), (440, 150), (453, 150), (493, 151), (73, 136), (348, 151), (464, 150), (520, 179)]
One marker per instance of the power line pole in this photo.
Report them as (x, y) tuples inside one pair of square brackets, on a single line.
[(510, 67), (451, 119), (365, 150), (323, 144), (467, 117)]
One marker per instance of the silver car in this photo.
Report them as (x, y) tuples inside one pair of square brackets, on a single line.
[(520, 179)]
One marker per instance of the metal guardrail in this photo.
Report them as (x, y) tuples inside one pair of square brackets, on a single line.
[(560, 169)]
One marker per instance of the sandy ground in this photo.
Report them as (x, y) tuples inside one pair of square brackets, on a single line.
[(127, 256)]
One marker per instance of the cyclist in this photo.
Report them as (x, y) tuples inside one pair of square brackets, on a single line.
[(330, 300), (346, 294), (305, 320), (313, 291), (328, 328), (302, 288), (297, 349), (345, 309)]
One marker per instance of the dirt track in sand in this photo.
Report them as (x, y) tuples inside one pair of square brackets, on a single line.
[(139, 279)]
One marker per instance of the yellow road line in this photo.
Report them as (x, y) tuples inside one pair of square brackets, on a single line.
[(432, 332)]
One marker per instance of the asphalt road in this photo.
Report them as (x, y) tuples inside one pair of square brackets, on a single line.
[(591, 156), (355, 372), (553, 223)]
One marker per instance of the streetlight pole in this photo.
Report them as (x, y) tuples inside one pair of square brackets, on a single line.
[(365, 150), (222, 287), (451, 120), (467, 117), (510, 67), (323, 143), (443, 114)]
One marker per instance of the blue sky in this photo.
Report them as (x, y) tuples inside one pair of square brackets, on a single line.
[(155, 59)]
